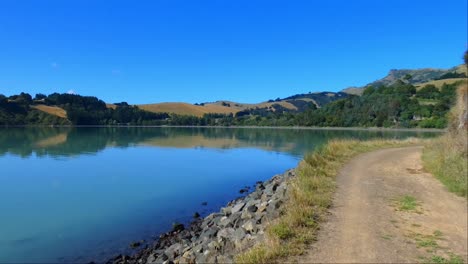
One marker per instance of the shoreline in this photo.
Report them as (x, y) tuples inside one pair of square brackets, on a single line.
[(221, 235), (434, 130)]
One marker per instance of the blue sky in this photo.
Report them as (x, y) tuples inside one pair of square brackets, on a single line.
[(240, 50)]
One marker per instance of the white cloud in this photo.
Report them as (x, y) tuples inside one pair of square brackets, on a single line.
[(71, 92)]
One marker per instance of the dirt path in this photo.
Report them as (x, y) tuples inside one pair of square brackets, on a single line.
[(367, 223)]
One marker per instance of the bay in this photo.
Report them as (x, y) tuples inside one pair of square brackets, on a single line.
[(84, 194)]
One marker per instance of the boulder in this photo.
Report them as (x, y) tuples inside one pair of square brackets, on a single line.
[(225, 222), (250, 226), (253, 208), (246, 215), (238, 207), (226, 233), (227, 211), (135, 244), (173, 251), (177, 227), (188, 257), (262, 207)]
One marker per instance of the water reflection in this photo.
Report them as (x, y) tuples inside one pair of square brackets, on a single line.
[(62, 142)]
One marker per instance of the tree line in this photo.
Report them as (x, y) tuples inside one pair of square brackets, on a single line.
[(397, 105)]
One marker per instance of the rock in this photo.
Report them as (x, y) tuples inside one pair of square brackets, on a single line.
[(226, 232), (209, 256), (196, 215), (204, 203), (246, 215), (198, 248), (209, 233), (275, 186), (255, 195), (263, 206), (275, 204), (260, 186), (214, 245), (238, 234), (250, 226), (259, 218), (151, 258), (174, 251), (241, 191), (188, 257), (200, 258), (236, 219), (225, 221), (237, 207), (135, 245), (177, 227), (252, 208), (226, 210)]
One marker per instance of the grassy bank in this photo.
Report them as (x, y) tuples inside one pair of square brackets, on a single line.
[(446, 156), (310, 195)]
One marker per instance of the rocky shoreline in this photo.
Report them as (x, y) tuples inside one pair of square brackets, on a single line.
[(220, 236)]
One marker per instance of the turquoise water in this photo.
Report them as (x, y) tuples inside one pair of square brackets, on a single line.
[(82, 194)]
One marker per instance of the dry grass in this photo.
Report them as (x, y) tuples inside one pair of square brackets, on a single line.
[(52, 110), (188, 109), (310, 196), (200, 110), (446, 156), (439, 83)]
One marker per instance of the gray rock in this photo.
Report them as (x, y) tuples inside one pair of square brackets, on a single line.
[(238, 207), (226, 210), (198, 248), (209, 233), (226, 233), (246, 215), (250, 226), (262, 207), (253, 208), (214, 245), (225, 221), (188, 257), (151, 259), (174, 251), (239, 234), (256, 195)]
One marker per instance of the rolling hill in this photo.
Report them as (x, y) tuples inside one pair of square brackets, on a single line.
[(295, 103)]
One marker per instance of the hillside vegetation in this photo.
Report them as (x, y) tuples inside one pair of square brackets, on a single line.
[(447, 157), (417, 77), (405, 98)]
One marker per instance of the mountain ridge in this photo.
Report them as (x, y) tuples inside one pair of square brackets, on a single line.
[(417, 77)]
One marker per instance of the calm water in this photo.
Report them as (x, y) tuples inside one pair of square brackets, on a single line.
[(81, 194)]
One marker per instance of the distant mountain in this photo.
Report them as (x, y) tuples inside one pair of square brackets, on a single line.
[(415, 77)]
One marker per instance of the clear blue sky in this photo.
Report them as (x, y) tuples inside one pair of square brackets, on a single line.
[(240, 50)]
